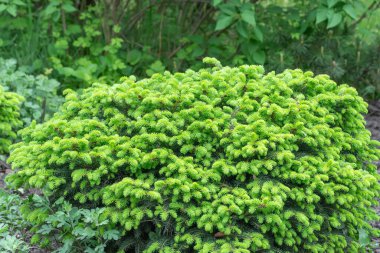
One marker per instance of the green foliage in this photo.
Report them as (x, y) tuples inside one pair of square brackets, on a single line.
[(10, 6), (49, 36), (59, 227), (68, 228), (12, 233), (87, 41), (9, 118), (217, 160), (40, 93)]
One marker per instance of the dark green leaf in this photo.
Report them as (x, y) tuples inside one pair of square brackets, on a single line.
[(216, 2), (68, 7), (258, 34), (334, 20), (349, 9), (18, 2), (197, 51), (259, 57), (2, 7), (227, 9), (242, 29), (50, 9), (321, 15), (331, 3), (248, 16), (134, 56), (12, 10), (223, 22)]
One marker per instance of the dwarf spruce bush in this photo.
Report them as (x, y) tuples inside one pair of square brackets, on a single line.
[(220, 160), (9, 118)]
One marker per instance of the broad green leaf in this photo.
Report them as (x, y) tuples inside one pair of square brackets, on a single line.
[(349, 9), (157, 66), (248, 16), (223, 22), (321, 15), (216, 2), (134, 56), (259, 57), (50, 9), (2, 7), (197, 51), (332, 3), (227, 9), (334, 20), (242, 29), (61, 44), (18, 2), (258, 34), (12, 10), (68, 7)]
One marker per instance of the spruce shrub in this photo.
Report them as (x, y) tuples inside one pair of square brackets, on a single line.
[(9, 118), (220, 160)]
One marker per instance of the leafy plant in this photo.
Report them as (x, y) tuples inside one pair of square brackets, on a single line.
[(10, 6), (9, 118), (87, 41), (12, 225), (40, 92), (101, 60), (217, 160), (68, 228)]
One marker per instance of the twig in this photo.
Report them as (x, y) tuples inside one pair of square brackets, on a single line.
[(135, 18), (43, 110), (192, 32), (375, 4), (160, 37), (63, 19)]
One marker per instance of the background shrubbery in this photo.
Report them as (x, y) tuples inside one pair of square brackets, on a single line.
[(80, 42), (259, 162), (40, 92)]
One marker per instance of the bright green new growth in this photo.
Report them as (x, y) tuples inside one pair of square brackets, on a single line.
[(220, 160), (9, 118)]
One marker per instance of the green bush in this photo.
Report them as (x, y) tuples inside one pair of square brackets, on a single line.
[(219, 160), (9, 118)]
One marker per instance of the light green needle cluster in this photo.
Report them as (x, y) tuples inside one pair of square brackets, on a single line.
[(220, 160), (9, 118)]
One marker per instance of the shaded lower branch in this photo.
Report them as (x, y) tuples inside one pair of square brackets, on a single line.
[(4, 166)]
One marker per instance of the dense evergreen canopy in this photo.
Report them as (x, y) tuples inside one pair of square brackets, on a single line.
[(9, 118), (220, 160)]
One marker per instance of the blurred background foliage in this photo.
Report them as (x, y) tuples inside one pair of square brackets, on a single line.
[(40, 93), (80, 42)]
